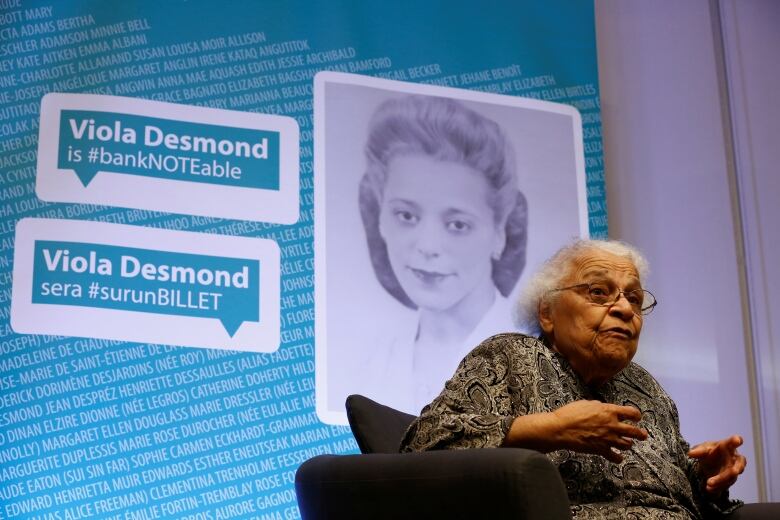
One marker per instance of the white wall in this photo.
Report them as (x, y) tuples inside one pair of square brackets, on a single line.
[(751, 34), (672, 193)]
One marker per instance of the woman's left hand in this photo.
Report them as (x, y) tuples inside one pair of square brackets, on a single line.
[(719, 463)]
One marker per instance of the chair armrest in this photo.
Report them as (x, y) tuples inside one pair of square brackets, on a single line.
[(763, 511), (477, 483)]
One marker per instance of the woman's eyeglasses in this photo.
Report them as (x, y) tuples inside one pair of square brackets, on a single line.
[(642, 301)]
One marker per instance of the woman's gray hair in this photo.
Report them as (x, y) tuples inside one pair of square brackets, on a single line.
[(447, 130), (553, 272)]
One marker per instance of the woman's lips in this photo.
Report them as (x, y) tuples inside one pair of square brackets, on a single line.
[(625, 333), (428, 277)]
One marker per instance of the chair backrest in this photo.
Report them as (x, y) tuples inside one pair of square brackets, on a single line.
[(377, 428)]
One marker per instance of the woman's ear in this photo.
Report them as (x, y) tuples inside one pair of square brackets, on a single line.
[(545, 318), (499, 243)]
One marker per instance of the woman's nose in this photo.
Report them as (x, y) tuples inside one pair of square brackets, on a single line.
[(427, 249), (622, 307), (429, 240)]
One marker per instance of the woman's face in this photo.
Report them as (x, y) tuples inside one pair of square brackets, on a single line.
[(599, 341), (439, 229)]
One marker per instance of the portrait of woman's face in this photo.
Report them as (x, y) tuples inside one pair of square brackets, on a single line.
[(423, 198), (439, 229)]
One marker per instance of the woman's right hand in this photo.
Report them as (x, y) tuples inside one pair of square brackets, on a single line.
[(598, 428), (582, 426)]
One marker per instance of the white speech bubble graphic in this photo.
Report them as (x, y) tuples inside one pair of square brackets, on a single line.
[(136, 153), (87, 317)]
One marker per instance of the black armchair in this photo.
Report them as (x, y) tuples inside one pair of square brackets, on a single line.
[(381, 483)]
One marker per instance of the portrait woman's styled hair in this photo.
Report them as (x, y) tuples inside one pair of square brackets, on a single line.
[(443, 129)]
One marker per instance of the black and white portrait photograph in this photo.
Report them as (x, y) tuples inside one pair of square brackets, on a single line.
[(431, 203)]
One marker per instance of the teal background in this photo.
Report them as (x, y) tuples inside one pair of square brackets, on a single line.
[(117, 429)]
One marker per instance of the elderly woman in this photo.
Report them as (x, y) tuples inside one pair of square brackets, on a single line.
[(446, 231), (575, 395)]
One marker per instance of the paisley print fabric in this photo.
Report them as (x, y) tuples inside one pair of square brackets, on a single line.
[(511, 374)]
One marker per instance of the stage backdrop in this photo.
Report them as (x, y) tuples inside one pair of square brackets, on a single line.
[(175, 338)]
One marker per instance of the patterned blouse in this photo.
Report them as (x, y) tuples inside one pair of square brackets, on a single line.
[(512, 374)]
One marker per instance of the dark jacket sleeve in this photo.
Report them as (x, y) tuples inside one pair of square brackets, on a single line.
[(474, 410), (707, 505)]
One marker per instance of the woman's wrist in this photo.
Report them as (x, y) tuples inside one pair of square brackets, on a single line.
[(537, 431)]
